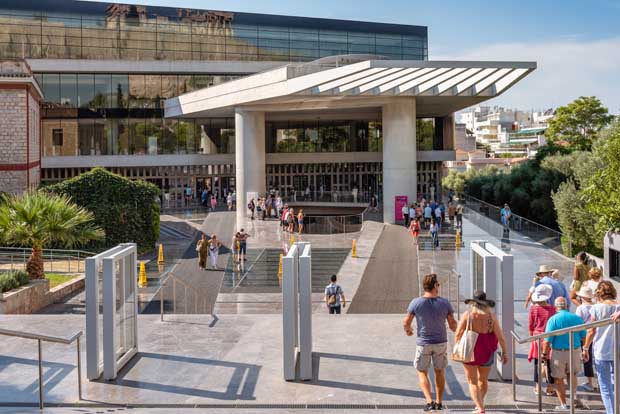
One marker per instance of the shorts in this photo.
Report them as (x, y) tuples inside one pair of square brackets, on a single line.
[(243, 246), (560, 362), (435, 353), (490, 361)]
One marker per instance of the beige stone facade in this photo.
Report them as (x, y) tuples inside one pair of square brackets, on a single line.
[(20, 124)]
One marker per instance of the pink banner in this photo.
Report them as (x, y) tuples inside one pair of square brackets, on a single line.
[(399, 202)]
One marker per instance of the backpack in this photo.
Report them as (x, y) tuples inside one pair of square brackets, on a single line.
[(332, 299)]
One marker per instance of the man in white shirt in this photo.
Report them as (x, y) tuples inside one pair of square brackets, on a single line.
[(405, 211)]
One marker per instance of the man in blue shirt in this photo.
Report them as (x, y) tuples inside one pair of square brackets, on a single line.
[(431, 313), (562, 354), (558, 288)]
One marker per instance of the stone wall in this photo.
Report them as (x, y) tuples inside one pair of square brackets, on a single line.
[(37, 295)]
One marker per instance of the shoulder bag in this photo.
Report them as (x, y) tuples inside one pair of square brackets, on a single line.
[(463, 350)]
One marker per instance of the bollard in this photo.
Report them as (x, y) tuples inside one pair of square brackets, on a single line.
[(354, 248), (142, 276), (280, 268), (160, 256), (457, 241), (292, 240)]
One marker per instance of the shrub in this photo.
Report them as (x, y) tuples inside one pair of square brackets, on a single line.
[(127, 210), (13, 279)]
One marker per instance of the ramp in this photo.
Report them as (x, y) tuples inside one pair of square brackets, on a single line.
[(390, 280)]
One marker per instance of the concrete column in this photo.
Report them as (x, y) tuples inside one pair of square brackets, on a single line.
[(399, 154), (249, 159)]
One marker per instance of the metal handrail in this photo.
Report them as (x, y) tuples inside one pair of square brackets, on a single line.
[(539, 338), (169, 275), (54, 339)]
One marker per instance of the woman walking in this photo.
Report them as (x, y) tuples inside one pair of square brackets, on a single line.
[(595, 276), (290, 220), (580, 275), (300, 221), (202, 249), (539, 314), (433, 229), (414, 228), (602, 341), (213, 202), (585, 297), (214, 247), (481, 320)]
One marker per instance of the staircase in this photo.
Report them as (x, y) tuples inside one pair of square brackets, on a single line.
[(259, 274)]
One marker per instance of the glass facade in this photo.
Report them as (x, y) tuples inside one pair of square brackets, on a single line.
[(122, 114), (66, 29)]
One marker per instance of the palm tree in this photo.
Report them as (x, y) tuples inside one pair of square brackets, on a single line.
[(40, 219)]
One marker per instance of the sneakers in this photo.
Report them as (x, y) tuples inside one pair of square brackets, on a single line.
[(586, 386), (561, 407), (433, 406)]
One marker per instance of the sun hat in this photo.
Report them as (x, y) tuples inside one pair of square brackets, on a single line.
[(557, 275), (544, 269), (481, 299), (542, 293), (585, 292)]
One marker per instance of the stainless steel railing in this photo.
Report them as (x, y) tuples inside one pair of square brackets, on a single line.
[(197, 300), (55, 339), (539, 339), (71, 261)]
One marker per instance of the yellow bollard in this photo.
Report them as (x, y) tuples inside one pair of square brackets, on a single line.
[(457, 241), (354, 248), (280, 268), (142, 276), (160, 256), (292, 240)]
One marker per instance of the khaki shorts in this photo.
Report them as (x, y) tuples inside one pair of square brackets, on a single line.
[(560, 362), (437, 353)]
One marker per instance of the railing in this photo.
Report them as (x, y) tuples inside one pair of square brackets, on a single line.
[(536, 231), (171, 278), (70, 261), (54, 339), (291, 196), (539, 338), (333, 224)]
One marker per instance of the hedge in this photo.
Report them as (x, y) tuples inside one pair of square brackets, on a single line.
[(13, 279), (127, 210)]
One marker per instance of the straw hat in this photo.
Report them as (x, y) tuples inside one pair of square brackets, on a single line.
[(585, 292), (481, 298), (544, 269), (542, 293)]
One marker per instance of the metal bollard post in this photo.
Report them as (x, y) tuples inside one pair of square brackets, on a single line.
[(539, 374), (514, 374), (571, 344), (161, 302), (40, 375), (79, 370)]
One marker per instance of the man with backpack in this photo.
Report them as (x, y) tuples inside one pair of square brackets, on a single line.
[(334, 297)]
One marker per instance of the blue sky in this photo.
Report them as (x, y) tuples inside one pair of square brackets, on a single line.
[(576, 43)]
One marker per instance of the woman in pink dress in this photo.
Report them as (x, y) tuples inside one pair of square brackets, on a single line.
[(539, 314), (482, 321), (213, 202)]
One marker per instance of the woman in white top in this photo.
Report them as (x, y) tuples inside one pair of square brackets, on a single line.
[(585, 296), (595, 276)]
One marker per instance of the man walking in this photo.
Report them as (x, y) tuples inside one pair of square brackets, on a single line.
[(558, 288), (431, 313), (562, 354), (334, 297), (405, 211)]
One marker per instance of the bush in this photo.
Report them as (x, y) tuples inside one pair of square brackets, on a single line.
[(127, 210), (13, 279)]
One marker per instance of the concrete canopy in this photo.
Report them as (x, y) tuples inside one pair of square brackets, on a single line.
[(440, 87)]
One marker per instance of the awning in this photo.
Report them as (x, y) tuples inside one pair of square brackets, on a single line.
[(440, 87)]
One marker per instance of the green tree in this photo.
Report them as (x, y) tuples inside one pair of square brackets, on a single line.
[(39, 220), (454, 181), (578, 123), (602, 191)]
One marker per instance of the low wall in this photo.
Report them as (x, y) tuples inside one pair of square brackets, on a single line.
[(37, 295)]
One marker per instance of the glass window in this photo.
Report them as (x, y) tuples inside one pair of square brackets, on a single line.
[(136, 91), (152, 91), (153, 133), (103, 91), (86, 90), (185, 84), (137, 136), (425, 131), (185, 136), (51, 87), (201, 81), (169, 137), (375, 140), (120, 91), (101, 137), (57, 137), (119, 133), (86, 136), (68, 90), (168, 86)]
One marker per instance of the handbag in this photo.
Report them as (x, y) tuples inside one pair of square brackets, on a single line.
[(463, 350)]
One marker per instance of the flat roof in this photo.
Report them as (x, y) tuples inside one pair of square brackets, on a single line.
[(440, 87)]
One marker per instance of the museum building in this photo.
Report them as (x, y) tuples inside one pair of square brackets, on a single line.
[(225, 100)]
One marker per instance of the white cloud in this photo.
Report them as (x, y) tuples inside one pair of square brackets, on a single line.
[(567, 68)]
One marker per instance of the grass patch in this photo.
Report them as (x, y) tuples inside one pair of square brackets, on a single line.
[(56, 279)]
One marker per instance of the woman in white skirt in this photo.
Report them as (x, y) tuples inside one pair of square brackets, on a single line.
[(214, 247)]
